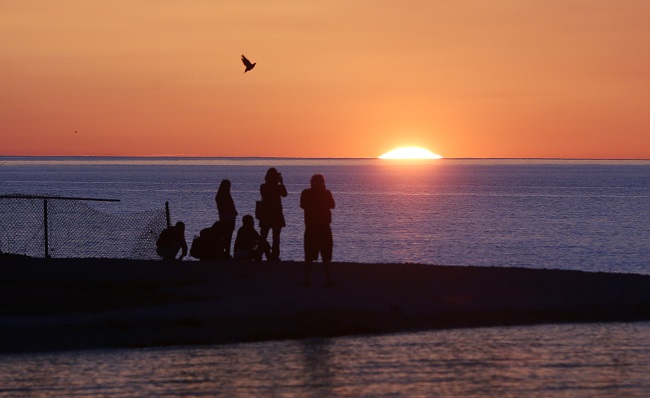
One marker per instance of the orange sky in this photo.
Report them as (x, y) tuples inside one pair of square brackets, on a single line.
[(337, 78)]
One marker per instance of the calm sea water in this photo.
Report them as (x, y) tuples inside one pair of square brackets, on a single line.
[(600, 360), (586, 215)]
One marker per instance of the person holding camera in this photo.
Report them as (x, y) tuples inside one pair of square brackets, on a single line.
[(272, 191), (317, 202)]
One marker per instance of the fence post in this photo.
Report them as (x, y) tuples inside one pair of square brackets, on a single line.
[(169, 222), (45, 230)]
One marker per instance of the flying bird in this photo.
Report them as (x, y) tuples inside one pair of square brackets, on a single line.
[(247, 63)]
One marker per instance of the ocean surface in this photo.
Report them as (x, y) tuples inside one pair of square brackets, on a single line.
[(598, 360), (566, 214)]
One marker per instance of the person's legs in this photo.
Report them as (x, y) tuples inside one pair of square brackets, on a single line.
[(227, 237), (263, 248), (275, 249), (326, 245), (264, 233), (311, 253)]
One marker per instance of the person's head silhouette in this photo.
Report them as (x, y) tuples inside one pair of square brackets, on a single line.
[(248, 221), (317, 181), (224, 187), (272, 176)]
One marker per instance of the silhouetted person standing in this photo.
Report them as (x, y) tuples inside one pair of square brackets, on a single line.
[(317, 203), (170, 241), (272, 191), (227, 213)]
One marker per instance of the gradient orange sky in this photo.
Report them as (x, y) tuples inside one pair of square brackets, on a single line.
[(337, 78)]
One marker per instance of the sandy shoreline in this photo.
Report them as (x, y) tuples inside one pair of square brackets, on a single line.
[(64, 304)]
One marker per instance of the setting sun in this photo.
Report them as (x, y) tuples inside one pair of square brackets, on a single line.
[(411, 152)]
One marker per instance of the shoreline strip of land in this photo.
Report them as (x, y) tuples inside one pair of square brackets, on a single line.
[(70, 304)]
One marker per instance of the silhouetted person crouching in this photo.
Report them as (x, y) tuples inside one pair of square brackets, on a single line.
[(170, 241), (209, 245), (249, 245), (317, 203)]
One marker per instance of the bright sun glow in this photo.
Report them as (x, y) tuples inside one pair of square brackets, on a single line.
[(411, 152)]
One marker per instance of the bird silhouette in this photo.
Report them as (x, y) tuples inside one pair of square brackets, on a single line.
[(247, 63)]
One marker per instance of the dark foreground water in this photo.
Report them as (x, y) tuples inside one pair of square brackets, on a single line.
[(598, 360), (585, 215)]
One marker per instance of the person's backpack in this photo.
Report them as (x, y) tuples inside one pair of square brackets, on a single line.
[(197, 250)]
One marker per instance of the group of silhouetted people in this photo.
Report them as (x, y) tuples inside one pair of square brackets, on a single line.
[(214, 242)]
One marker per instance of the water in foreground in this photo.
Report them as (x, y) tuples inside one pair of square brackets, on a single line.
[(586, 360)]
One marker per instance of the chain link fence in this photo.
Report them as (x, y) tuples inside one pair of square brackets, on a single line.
[(51, 226)]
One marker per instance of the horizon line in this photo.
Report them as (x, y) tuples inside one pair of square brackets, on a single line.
[(302, 158)]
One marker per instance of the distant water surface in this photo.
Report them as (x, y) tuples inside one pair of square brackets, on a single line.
[(568, 214), (597, 360)]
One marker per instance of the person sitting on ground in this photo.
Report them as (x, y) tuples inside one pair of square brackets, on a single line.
[(249, 245), (201, 245), (170, 241)]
